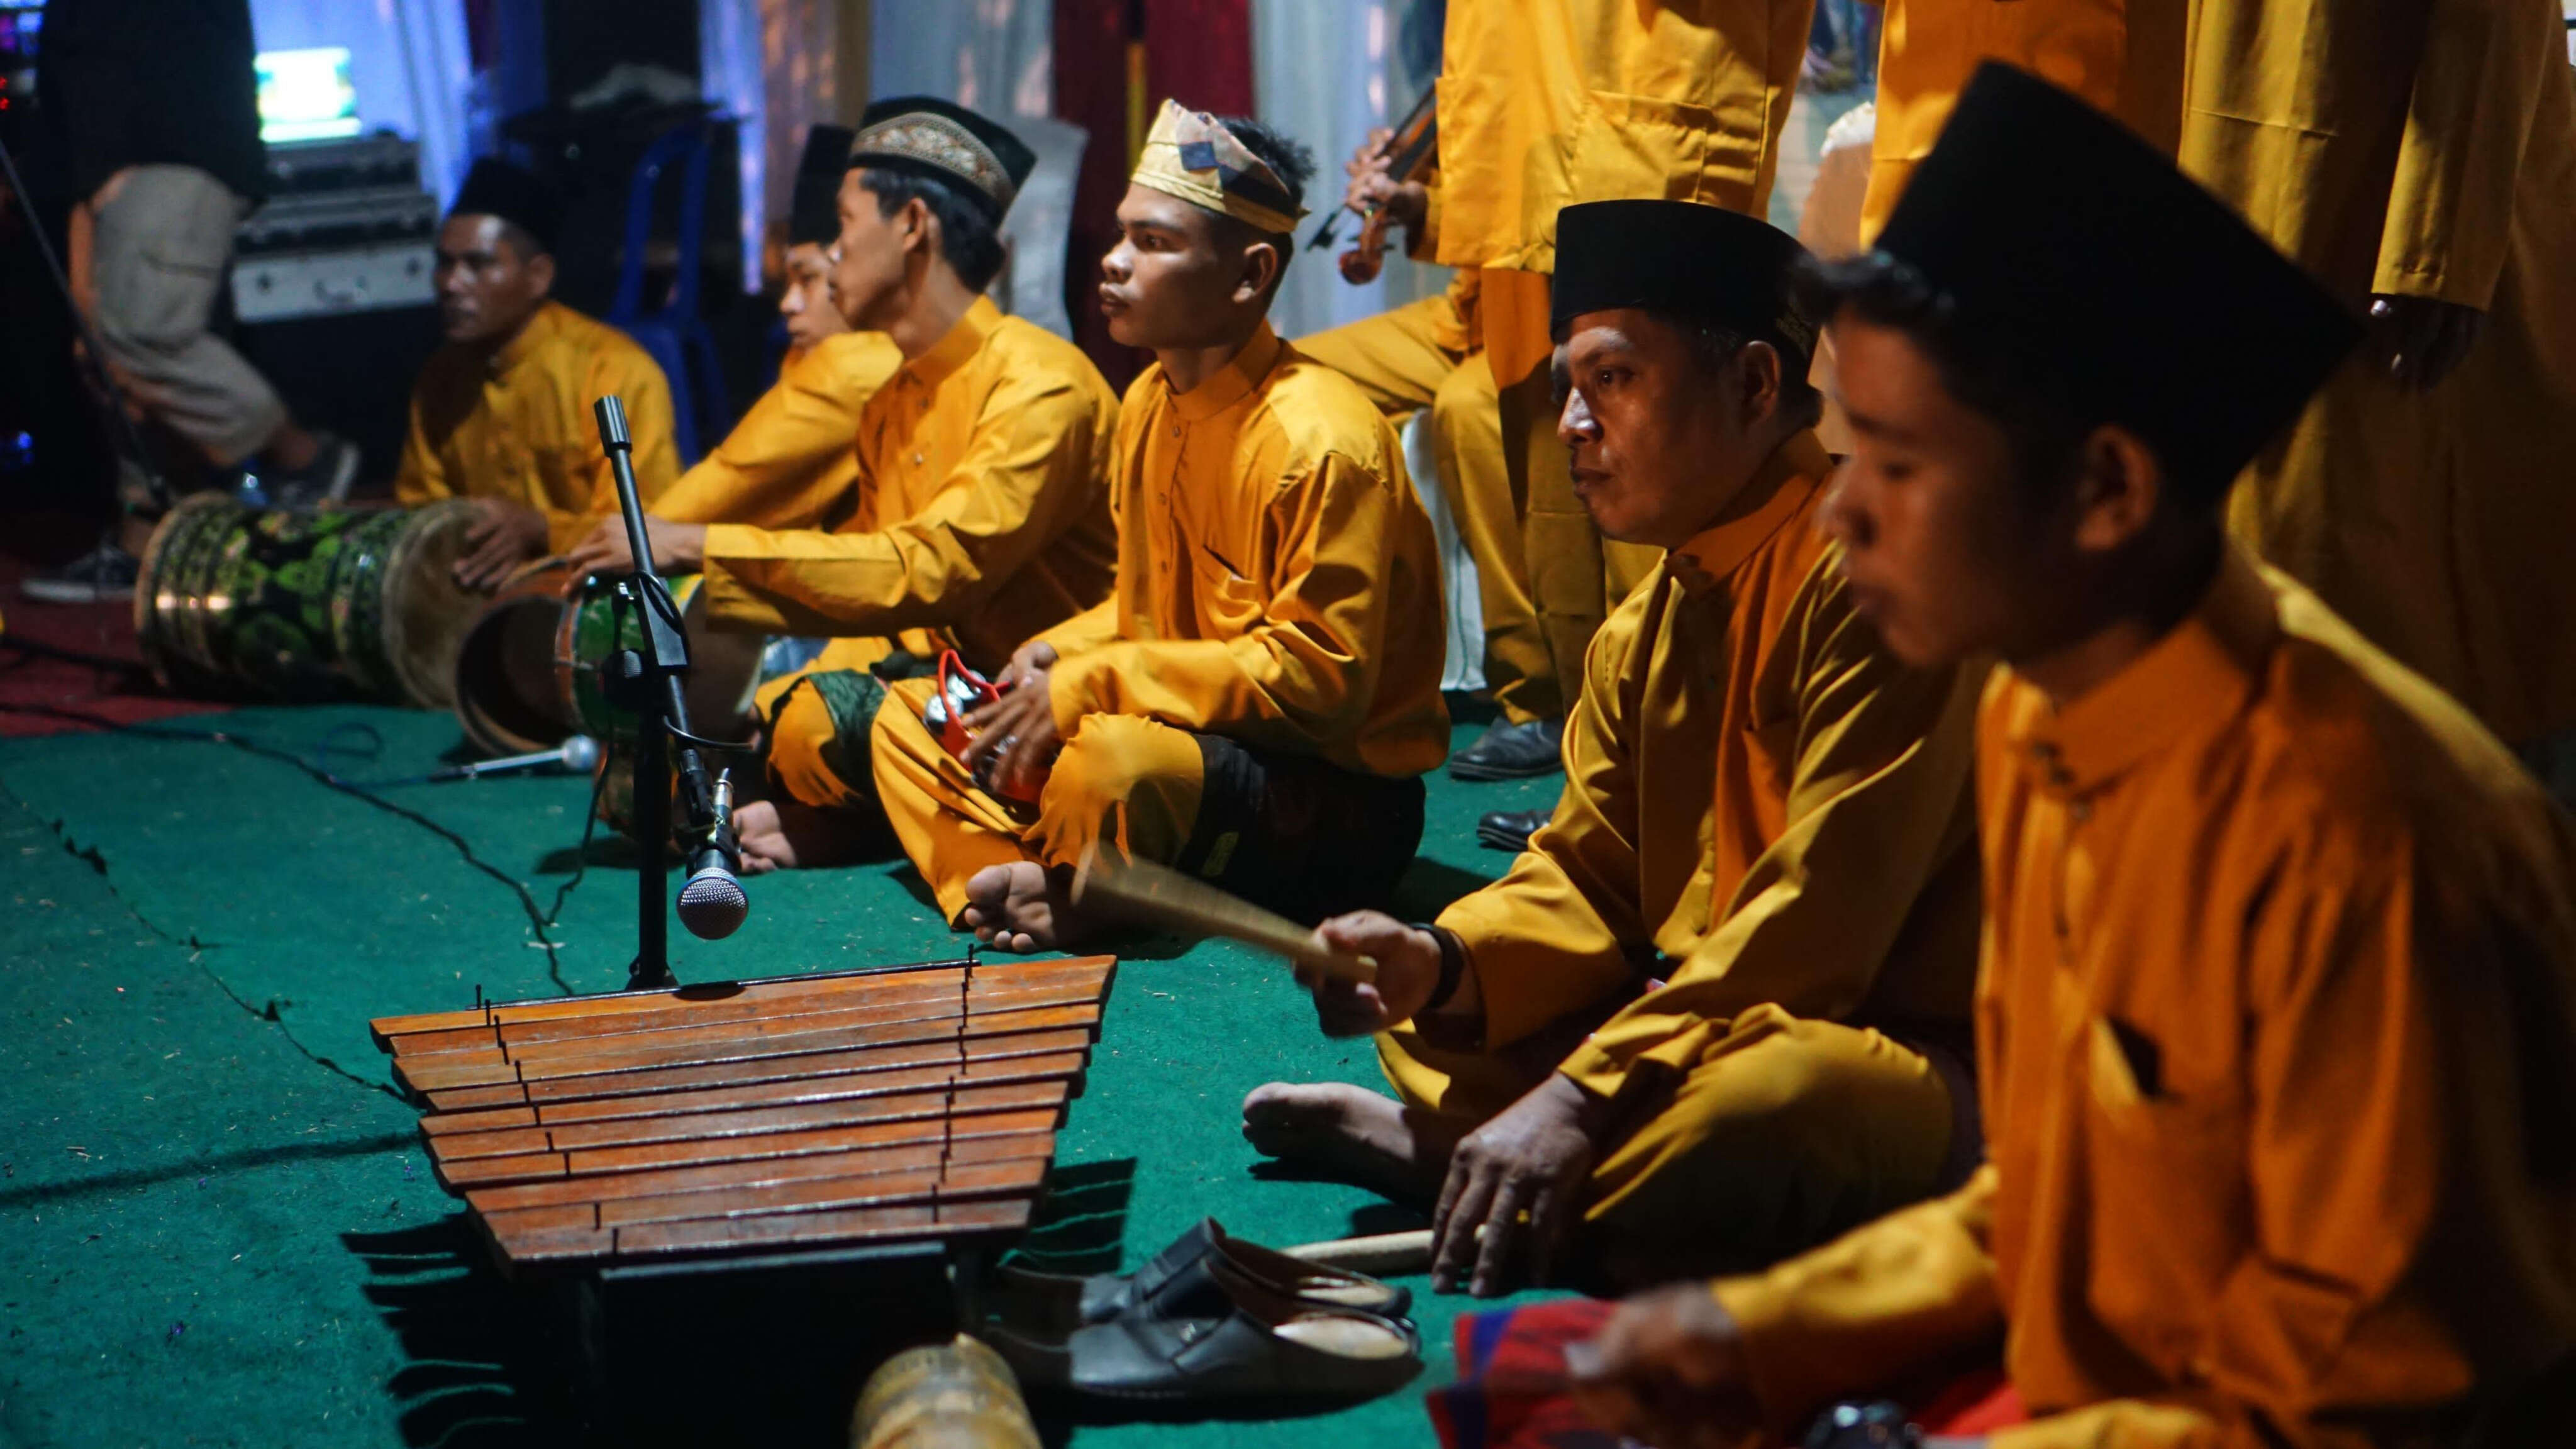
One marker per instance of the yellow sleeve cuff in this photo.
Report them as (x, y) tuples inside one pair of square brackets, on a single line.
[(730, 598)]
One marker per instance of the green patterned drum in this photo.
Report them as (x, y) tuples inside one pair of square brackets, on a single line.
[(283, 605), (596, 624)]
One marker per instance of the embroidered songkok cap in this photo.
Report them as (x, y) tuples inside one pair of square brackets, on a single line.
[(926, 136), (1191, 155)]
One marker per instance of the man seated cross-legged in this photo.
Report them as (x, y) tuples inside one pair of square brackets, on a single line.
[(976, 513), (1258, 698), (2277, 1019), (1763, 809)]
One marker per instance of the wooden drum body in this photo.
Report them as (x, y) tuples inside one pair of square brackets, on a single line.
[(527, 673), (286, 605)]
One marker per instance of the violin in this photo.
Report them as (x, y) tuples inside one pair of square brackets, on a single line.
[(1409, 151)]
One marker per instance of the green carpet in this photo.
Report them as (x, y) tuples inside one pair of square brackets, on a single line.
[(220, 1228)]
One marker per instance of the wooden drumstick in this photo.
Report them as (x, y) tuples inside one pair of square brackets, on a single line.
[(1141, 890), (1380, 1256)]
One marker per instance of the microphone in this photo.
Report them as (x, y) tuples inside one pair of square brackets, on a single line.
[(712, 904), (579, 754)]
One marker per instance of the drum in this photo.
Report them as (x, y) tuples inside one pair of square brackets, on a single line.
[(506, 695), (958, 1395), (286, 605), (527, 673)]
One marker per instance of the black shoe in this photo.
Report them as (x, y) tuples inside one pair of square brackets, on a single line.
[(324, 480), (103, 575), (1510, 829), (1512, 751), (1180, 1282), (1261, 1345)]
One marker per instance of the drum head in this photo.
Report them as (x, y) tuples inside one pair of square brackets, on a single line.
[(160, 595), (426, 612), (505, 672)]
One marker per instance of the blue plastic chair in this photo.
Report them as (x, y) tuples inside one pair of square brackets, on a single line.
[(675, 334)]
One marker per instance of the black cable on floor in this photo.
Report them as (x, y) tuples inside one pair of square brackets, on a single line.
[(540, 922)]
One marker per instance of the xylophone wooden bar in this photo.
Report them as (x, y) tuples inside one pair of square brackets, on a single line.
[(1071, 980), (910, 1157), (788, 1091), (536, 1166), (854, 1061), (546, 1008), (557, 1247), (477, 1069)]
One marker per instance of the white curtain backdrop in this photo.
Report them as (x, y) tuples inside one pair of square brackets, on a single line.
[(993, 56), (407, 62), (1326, 72), (799, 61), (997, 57)]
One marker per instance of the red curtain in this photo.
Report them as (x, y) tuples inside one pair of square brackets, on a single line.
[(1197, 52)]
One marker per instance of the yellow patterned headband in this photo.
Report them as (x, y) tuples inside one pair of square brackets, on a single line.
[(1191, 155)]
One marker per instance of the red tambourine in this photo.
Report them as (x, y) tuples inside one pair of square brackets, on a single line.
[(960, 692)]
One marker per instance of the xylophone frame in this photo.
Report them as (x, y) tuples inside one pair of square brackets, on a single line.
[(634, 1330)]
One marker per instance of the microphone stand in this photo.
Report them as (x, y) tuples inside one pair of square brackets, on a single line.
[(647, 682)]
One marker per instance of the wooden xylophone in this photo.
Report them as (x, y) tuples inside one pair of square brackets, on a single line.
[(898, 1104)]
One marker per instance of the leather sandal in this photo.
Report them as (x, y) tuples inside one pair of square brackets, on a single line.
[(1176, 1283), (1264, 1346)]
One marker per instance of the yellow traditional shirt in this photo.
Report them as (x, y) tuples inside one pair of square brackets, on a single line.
[(2419, 148), (793, 459), (979, 505), (2277, 1048), (2123, 56), (1277, 579), (1546, 103), (517, 424), (1755, 791)]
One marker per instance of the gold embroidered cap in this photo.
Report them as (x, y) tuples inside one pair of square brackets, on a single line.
[(926, 136), (1191, 155)]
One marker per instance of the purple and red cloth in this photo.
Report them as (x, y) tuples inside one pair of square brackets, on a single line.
[(1511, 1373)]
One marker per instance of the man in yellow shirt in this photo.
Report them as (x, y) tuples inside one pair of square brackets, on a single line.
[(2278, 1006), (1544, 103), (977, 515), (1256, 700), (502, 413), (1762, 808), (2127, 60)]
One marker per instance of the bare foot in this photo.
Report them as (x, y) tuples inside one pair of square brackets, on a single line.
[(784, 835), (1022, 906), (1355, 1134)]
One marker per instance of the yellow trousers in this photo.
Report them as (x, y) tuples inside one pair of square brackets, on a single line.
[(1787, 1134), (816, 719), (1129, 783), (1544, 577)]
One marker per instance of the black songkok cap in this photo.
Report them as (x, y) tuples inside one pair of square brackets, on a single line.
[(926, 136), (1683, 260), (516, 195), (2144, 298), (815, 214)]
